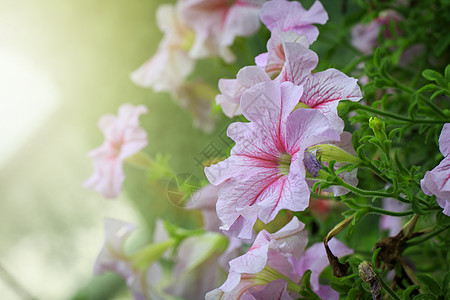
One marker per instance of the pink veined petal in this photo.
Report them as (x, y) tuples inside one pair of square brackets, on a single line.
[(300, 61), (444, 140), (301, 135), (329, 85), (290, 15), (316, 14), (288, 192)]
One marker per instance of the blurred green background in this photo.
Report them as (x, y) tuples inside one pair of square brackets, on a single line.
[(63, 64)]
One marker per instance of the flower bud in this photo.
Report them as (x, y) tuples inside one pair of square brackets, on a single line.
[(378, 129), (369, 276)]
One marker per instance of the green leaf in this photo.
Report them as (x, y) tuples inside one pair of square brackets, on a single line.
[(445, 284), (428, 87), (376, 57), (430, 284), (406, 295), (352, 294), (447, 72), (432, 75)]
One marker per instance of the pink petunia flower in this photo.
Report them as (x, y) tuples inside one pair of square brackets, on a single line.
[(171, 64), (291, 16), (274, 265), (436, 182), (123, 138), (365, 36), (266, 170), (267, 260), (217, 23)]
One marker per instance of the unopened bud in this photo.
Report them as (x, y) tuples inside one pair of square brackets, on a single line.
[(369, 276), (311, 163), (378, 129)]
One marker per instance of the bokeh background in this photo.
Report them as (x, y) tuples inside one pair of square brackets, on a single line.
[(64, 64)]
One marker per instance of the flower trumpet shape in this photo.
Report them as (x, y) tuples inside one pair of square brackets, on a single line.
[(266, 171), (123, 138)]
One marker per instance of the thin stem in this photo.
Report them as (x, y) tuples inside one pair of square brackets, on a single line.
[(390, 213), (366, 193), (397, 116), (388, 289), (423, 239)]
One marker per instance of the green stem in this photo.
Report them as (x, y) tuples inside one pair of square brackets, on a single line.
[(397, 116), (366, 193), (390, 213), (423, 239), (388, 289)]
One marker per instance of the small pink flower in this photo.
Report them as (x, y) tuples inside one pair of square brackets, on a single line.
[(437, 181), (217, 23), (171, 64), (291, 16), (365, 36), (265, 171), (123, 138)]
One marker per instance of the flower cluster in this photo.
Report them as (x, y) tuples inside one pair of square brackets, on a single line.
[(294, 157)]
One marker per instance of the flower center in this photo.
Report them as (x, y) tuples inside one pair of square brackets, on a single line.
[(284, 163)]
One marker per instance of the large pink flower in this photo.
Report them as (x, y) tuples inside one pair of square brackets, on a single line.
[(266, 170), (123, 138), (291, 16), (437, 181), (216, 23)]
